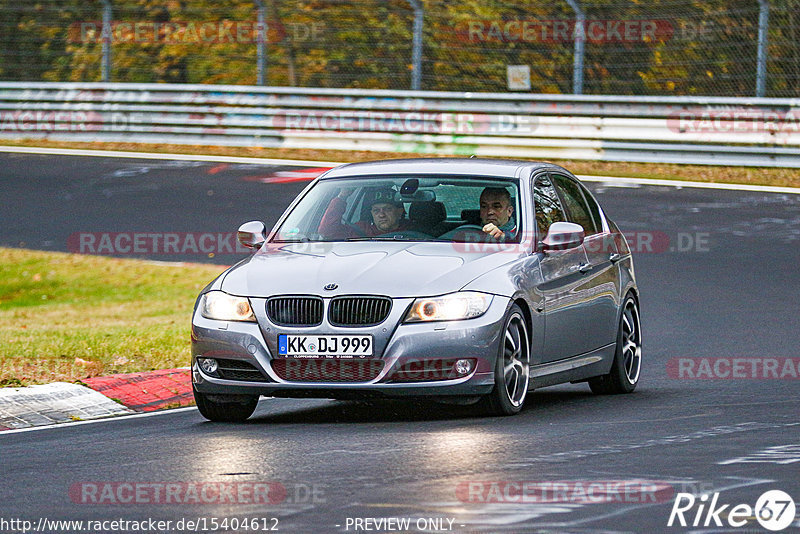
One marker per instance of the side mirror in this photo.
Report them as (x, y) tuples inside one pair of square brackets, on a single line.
[(562, 235), (252, 234)]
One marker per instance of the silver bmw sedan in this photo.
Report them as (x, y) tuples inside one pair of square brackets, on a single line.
[(468, 281)]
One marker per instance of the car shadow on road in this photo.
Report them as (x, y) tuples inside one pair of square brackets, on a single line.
[(289, 412)]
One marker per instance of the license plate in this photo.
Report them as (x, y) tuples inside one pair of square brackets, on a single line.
[(357, 346)]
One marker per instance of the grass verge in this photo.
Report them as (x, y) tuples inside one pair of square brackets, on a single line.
[(64, 317), (698, 173)]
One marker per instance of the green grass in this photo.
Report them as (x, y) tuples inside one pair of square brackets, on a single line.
[(68, 316)]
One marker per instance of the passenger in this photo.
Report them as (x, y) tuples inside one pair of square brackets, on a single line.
[(497, 213), (388, 215)]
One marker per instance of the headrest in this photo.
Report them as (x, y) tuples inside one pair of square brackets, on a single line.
[(471, 216), (428, 212)]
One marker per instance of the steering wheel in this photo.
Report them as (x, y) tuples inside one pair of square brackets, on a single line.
[(463, 228)]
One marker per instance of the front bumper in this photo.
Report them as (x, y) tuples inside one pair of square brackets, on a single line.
[(395, 344)]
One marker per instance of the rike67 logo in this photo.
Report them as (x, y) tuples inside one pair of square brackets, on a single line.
[(774, 510)]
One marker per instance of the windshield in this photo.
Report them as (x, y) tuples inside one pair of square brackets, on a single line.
[(406, 208)]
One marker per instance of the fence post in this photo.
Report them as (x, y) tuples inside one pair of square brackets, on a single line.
[(261, 40), (761, 61), (105, 64), (580, 38), (416, 52)]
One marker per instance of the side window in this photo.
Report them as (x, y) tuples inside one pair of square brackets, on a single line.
[(594, 208), (574, 203), (547, 206)]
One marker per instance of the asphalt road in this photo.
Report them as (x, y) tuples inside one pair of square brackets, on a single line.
[(722, 282)]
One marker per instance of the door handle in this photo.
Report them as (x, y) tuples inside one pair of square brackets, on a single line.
[(614, 257), (585, 267)]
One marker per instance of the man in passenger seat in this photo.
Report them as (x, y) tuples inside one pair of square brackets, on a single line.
[(388, 215)]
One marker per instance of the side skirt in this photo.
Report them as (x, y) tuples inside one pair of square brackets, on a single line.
[(575, 369)]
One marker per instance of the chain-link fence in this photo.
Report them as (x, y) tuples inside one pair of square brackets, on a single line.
[(628, 47)]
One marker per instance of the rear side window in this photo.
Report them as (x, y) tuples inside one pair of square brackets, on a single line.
[(546, 204), (574, 203)]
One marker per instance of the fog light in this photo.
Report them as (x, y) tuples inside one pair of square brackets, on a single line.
[(209, 365), (463, 367)]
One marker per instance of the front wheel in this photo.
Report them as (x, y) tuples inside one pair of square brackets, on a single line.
[(624, 373), (512, 367), (225, 408)]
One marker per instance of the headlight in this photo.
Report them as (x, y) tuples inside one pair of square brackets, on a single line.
[(223, 307), (461, 305)]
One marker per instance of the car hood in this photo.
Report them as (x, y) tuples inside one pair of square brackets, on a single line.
[(395, 269)]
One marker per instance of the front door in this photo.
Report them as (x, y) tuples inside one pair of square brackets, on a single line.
[(563, 287)]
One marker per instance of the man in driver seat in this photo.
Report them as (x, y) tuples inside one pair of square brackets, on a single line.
[(388, 215), (497, 213)]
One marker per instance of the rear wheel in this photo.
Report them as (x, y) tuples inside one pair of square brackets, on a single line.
[(225, 408), (624, 373), (511, 370)]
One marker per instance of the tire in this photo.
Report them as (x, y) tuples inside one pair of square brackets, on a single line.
[(627, 364), (225, 408), (512, 368)]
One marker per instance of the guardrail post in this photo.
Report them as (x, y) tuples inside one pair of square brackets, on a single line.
[(105, 65), (416, 52), (580, 39), (261, 41), (761, 61)]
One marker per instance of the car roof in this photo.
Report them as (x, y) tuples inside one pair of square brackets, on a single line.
[(447, 166)]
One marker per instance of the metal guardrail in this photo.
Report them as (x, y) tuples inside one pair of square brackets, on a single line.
[(687, 130)]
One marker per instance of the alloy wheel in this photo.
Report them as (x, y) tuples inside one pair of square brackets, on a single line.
[(631, 342), (516, 360)]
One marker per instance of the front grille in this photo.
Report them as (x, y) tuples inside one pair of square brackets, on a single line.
[(327, 370), (239, 370), (295, 311), (359, 311)]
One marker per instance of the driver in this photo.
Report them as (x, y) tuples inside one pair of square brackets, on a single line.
[(388, 215), (497, 213)]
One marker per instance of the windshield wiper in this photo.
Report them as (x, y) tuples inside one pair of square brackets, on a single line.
[(378, 238)]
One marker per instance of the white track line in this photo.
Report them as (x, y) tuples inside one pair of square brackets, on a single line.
[(154, 155), (93, 421), (681, 183), (309, 163)]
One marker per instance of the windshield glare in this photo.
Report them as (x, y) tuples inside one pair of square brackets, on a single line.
[(406, 208)]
